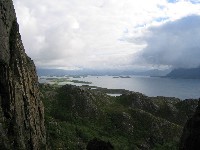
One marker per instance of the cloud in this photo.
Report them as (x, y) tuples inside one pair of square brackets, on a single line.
[(174, 44), (92, 33)]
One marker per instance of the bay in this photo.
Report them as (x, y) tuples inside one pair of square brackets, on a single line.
[(150, 86)]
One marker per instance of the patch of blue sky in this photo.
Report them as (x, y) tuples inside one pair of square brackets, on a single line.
[(172, 1), (192, 1), (161, 7), (161, 19), (195, 1)]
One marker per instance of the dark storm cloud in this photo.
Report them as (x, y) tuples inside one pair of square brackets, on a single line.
[(175, 44)]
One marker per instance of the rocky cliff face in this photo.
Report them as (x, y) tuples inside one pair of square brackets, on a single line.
[(190, 139), (21, 110)]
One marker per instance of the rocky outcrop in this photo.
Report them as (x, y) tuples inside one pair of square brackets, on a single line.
[(172, 109), (21, 110), (190, 139)]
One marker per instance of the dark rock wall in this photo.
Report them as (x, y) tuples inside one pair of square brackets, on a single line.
[(21, 110), (190, 139)]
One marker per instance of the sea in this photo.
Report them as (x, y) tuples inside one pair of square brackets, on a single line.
[(150, 86)]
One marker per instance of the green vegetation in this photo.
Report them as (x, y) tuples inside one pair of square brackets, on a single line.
[(59, 80), (77, 81), (75, 115)]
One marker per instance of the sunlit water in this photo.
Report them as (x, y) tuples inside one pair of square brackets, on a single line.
[(150, 86)]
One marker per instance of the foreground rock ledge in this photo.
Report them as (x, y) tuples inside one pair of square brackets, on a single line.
[(190, 139), (21, 110)]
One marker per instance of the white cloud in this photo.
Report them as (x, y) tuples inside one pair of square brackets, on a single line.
[(92, 33)]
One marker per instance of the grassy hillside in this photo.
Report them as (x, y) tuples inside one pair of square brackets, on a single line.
[(74, 116)]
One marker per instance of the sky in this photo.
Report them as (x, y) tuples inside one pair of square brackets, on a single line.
[(111, 34)]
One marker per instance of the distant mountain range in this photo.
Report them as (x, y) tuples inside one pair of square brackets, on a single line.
[(61, 72), (192, 73)]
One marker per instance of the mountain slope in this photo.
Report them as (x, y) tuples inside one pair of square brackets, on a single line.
[(74, 116), (193, 73)]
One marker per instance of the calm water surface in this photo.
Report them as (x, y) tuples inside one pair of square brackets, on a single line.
[(150, 86)]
